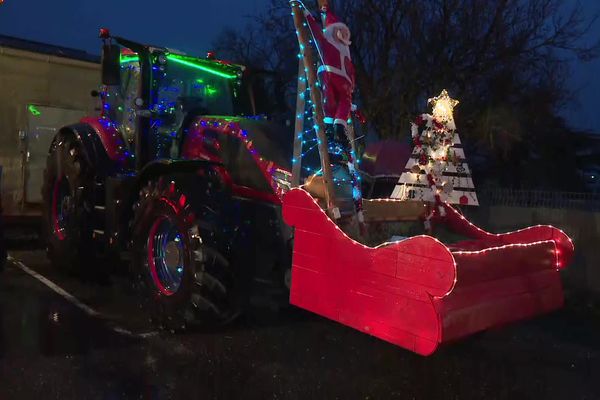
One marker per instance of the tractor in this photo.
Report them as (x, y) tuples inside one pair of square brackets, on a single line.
[(178, 175)]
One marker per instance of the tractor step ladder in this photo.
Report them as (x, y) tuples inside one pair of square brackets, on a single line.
[(99, 210)]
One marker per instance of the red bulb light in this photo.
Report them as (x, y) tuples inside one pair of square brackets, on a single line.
[(104, 33)]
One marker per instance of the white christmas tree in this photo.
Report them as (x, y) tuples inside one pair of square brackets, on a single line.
[(437, 170)]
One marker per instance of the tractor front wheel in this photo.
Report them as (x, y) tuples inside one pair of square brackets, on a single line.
[(182, 277)]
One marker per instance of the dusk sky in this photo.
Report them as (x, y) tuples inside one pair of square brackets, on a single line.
[(191, 26)]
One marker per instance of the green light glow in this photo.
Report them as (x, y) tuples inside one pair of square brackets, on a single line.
[(211, 91), (128, 59), (181, 61), (33, 110)]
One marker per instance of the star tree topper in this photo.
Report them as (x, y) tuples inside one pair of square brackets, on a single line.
[(443, 107)]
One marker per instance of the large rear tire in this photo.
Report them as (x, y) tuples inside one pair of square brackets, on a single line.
[(3, 251), (67, 195), (178, 266)]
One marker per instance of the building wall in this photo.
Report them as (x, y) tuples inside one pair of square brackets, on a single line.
[(32, 78)]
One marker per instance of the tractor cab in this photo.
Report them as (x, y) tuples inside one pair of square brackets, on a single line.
[(153, 94), (179, 86)]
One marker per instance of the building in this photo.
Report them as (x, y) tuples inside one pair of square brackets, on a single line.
[(42, 87)]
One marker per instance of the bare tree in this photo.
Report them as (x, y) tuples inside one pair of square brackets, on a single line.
[(267, 42), (491, 54), (407, 50)]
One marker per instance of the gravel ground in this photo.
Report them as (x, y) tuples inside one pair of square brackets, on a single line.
[(52, 350)]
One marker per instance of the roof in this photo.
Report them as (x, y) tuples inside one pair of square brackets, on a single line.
[(45, 48)]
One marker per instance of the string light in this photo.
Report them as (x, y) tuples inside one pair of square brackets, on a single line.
[(231, 126), (505, 246), (499, 235)]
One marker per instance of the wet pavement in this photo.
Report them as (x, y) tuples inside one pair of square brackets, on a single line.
[(51, 349)]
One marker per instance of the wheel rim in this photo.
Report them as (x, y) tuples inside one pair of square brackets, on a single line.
[(62, 204), (165, 256)]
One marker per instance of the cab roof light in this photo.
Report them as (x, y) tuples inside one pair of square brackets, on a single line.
[(127, 59), (182, 61)]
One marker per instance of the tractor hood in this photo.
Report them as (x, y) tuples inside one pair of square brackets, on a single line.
[(272, 141)]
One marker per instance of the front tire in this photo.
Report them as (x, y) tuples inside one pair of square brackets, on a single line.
[(179, 268)]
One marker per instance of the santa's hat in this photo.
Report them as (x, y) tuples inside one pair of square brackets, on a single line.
[(332, 22)]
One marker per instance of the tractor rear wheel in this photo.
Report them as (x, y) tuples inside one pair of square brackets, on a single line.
[(179, 271), (67, 204), (3, 253)]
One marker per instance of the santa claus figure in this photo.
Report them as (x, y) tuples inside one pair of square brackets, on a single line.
[(336, 74), (337, 78)]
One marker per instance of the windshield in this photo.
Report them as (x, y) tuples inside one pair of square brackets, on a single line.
[(188, 86), (185, 85), (195, 88)]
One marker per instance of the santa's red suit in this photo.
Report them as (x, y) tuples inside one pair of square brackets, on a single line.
[(336, 71)]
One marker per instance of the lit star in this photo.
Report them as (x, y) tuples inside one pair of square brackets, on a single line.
[(443, 106)]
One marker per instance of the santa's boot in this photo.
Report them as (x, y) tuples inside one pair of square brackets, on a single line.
[(336, 146), (335, 150), (342, 138), (329, 131)]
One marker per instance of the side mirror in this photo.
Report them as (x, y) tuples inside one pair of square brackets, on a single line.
[(111, 65)]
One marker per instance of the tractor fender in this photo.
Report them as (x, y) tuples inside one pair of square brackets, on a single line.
[(211, 171), (111, 139), (94, 150), (160, 167)]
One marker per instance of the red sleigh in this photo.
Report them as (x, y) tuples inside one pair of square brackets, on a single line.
[(418, 293)]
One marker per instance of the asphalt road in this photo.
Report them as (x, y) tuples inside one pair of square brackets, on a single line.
[(97, 345)]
